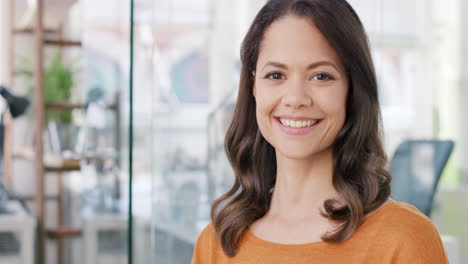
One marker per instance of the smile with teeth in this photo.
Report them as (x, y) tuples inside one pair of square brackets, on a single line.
[(298, 124)]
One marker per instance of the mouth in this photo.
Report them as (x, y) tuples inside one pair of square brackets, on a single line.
[(297, 126)]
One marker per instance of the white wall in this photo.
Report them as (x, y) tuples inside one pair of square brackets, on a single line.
[(463, 99), (4, 25)]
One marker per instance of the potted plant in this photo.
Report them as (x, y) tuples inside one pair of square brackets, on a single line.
[(58, 82)]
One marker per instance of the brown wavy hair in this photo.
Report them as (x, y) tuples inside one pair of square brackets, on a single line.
[(359, 161)]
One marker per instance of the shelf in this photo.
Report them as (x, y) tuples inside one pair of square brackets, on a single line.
[(62, 43), (32, 198), (61, 232), (31, 31), (52, 162), (60, 106), (56, 163), (63, 168), (64, 106)]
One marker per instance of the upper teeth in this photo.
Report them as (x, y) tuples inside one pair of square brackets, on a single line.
[(298, 124)]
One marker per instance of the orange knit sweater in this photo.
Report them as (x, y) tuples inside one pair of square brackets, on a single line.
[(396, 233)]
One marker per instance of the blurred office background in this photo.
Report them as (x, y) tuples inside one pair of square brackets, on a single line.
[(186, 72)]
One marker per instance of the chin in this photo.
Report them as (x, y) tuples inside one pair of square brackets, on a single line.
[(299, 152)]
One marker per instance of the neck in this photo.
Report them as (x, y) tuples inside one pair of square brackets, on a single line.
[(302, 186)]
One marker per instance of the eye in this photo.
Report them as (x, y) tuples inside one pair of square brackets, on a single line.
[(323, 77), (275, 76)]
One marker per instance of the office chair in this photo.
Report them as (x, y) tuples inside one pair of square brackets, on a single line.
[(416, 168)]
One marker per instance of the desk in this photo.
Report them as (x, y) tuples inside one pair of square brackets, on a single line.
[(93, 223), (22, 224)]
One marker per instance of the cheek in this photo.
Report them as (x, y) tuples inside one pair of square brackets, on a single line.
[(337, 109), (333, 103), (265, 104), (262, 123), (265, 100), (262, 112)]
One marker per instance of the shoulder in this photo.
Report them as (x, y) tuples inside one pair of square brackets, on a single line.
[(408, 234), (206, 236), (208, 230), (205, 246), (398, 222), (405, 219)]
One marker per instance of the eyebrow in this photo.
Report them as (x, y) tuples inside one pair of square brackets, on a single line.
[(310, 66)]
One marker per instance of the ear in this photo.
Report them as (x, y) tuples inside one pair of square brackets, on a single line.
[(253, 90)]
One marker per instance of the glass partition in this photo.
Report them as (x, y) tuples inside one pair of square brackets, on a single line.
[(186, 76), (102, 142), (185, 87)]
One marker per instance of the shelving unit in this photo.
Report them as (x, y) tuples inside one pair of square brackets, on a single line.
[(45, 34), (34, 26)]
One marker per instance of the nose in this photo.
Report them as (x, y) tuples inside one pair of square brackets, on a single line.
[(296, 95)]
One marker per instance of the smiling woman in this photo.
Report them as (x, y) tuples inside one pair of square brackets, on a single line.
[(310, 179)]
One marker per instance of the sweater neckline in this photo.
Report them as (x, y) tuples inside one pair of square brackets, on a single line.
[(251, 236)]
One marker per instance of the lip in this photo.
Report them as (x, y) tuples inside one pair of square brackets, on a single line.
[(296, 118), (296, 130)]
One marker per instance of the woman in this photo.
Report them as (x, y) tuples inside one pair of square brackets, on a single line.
[(311, 184)]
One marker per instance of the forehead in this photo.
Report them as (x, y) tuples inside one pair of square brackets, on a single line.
[(295, 40)]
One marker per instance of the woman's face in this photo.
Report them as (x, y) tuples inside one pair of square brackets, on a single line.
[(300, 89)]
